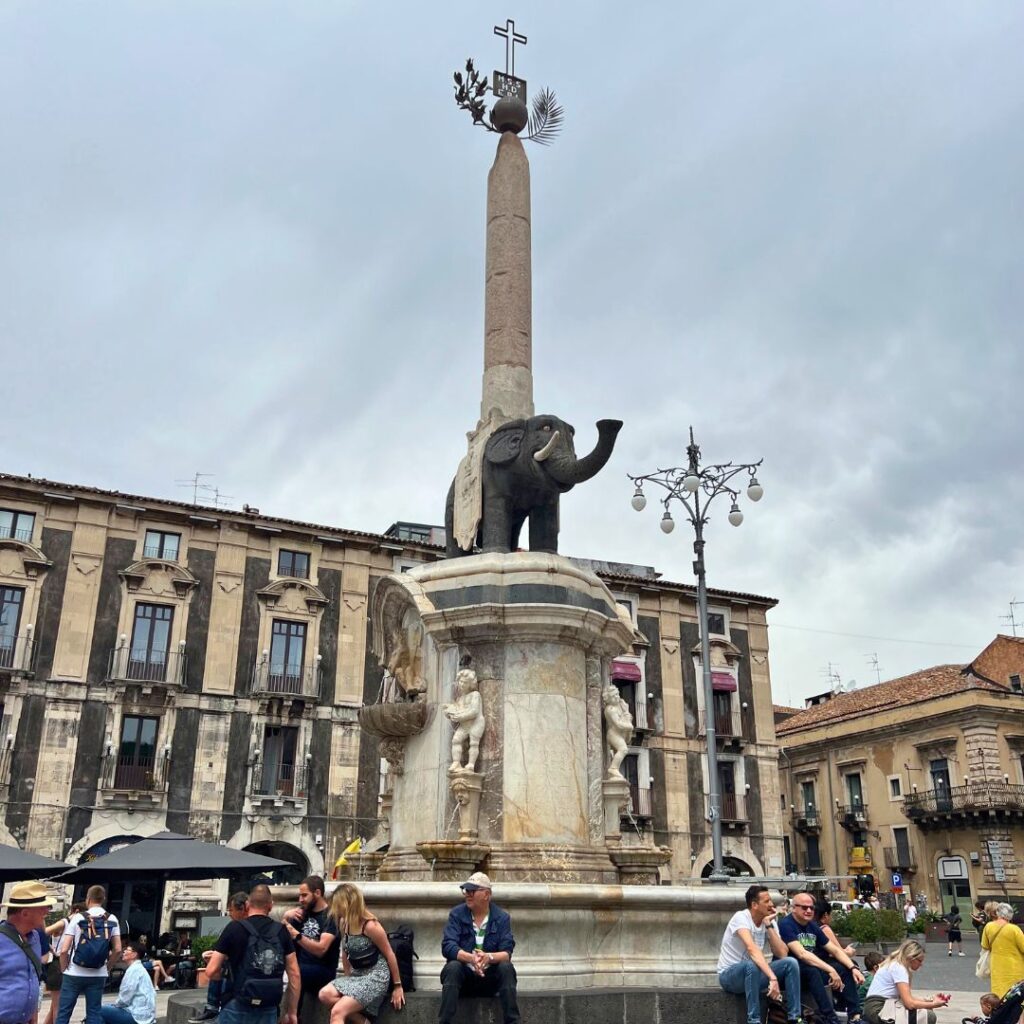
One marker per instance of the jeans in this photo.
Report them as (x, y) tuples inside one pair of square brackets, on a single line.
[(498, 980), (235, 1013), (71, 988), (747, 979), (812, 981), (116, 1014)]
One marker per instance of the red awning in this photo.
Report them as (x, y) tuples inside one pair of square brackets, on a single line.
[(723, 681), (627, 670)]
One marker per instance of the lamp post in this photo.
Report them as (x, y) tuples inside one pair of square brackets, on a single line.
[(695, 487)]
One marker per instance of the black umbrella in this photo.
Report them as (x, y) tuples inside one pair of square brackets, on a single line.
[(17, 865), (168, 855)]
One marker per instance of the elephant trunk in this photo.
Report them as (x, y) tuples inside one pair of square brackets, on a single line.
[(568, 474)]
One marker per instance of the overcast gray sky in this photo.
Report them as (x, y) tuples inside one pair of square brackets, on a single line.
[(247, 238)]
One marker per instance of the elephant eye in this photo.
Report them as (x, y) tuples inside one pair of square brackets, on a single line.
[(546, 428)]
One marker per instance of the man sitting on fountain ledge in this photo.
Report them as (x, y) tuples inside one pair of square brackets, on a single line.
[(742, 967), (478, 946)]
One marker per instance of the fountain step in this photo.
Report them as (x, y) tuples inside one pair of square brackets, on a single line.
[(588, 1006)]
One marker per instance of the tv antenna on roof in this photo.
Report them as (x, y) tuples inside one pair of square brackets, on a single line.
[(873, 662), (194, 483), (1012, 618)]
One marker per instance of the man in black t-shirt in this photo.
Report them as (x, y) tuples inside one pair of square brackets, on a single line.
[(315, 935), (230, 950)]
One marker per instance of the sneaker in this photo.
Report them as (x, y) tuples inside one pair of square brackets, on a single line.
[(950, 953), (961, 953), (205, 1014)]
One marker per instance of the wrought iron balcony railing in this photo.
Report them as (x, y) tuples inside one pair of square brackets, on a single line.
[(852, 816), (9, 533), (807, 820), (641, 721), (728, 726), (897, 859), (270, 680), (167, 667), (279, 780), (134, 772), (972, 798), (18, 654), (639, 802)]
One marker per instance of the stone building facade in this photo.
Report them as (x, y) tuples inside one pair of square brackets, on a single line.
[(921, 777), (170, 666)]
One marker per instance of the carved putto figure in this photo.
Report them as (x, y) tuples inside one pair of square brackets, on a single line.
[(467, 715), (618, 727)]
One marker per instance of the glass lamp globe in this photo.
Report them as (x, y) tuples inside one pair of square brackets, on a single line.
[(691, 482), (755, 491), (735, 515), (638, 501), (668, 524)]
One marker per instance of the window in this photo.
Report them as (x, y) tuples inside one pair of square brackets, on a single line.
[(628, 603), (277, 772), (18, 525), (902, 840), (151, 638), (895, 787), (159, 544), (11, 601), (939, 769), (723, 713), (782, 800), (717, 624), (727, 790), (293, 563), (1015, 684), (136, 755), (807, 795), (287, 656), (813, 854), (854, 791)]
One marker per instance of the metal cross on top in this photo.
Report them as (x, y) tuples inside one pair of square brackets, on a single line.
[(511, 38)]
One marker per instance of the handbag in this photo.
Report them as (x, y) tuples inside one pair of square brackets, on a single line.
[(984, 967), (365, 960)]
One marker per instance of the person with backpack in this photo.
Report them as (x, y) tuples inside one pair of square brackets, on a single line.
[(21, 967), (90, 945), (258, 952), (954, 920), (218, 990)]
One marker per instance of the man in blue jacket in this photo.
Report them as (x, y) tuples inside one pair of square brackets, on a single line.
[(478, 946), (20, 952)]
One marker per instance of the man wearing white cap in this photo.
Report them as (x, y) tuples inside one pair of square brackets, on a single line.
[(21, 968), (478, 946)]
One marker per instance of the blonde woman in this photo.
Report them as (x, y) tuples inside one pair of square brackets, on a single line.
[(367, 961), (892, 981), (1005, 942)]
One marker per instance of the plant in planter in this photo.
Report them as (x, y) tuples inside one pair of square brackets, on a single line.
[(200, 944)]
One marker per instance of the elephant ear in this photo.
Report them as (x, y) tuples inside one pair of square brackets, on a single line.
[(505, 444)]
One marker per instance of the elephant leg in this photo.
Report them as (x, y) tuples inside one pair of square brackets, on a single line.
[(496, 529), (515, 526), (544, 528)]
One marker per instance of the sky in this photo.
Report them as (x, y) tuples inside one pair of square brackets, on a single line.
[(247, 239)]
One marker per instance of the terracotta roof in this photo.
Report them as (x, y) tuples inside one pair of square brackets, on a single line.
[(938, 681), (785, 710), (688, 588)]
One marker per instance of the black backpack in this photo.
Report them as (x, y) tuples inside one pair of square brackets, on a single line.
[(260, 982), (401, 944), (1009, 1009), (93, 947)]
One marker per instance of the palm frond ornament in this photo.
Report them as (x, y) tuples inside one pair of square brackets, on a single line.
[(546, 117)]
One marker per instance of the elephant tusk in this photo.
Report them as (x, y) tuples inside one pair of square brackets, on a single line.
[(547, 449)]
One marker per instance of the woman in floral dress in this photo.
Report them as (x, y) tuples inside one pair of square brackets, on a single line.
[(358, 993)]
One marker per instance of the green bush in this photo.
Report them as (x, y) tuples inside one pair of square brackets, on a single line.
[(201, 943), (891, 926), (863, 926)]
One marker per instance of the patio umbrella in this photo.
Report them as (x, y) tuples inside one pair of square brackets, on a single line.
[(170, 856), (18, 865)]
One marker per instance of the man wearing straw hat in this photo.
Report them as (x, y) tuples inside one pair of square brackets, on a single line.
[(21, 968)]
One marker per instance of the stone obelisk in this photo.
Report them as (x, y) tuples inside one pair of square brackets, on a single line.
[(508, 312)]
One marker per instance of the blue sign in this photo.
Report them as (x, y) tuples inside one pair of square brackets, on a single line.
[(897, 881)]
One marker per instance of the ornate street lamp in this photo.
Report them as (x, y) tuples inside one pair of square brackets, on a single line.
[(695, 487)]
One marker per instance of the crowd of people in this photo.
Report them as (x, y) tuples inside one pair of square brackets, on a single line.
[(260, 969), (794, 961)]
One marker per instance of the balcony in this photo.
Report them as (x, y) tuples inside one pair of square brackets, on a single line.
[(638, 709), (853, 817), (18, 655), (133, 781), (161, 668), (807, 821), (896, 859), (728, 728), (9, 533), (972, 805), (290, 682), (639, 802), (278, 783), (733, 811)]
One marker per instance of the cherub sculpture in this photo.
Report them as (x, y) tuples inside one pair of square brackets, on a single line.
[(467, 715), (618, 727)]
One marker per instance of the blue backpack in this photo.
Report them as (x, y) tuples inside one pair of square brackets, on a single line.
[(93, 949)]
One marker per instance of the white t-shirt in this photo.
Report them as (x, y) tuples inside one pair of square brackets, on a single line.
[(74, 931), (886, 978), (909, 913), (733, 950)]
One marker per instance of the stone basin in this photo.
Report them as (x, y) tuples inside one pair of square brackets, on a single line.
[(394, 721)]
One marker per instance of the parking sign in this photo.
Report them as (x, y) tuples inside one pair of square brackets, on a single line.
[(897, 881)]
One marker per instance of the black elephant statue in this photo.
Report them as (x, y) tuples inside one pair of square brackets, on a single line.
[(525, 466)]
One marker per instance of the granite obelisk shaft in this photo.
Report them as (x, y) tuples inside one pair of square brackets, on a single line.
[(508, 305)]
